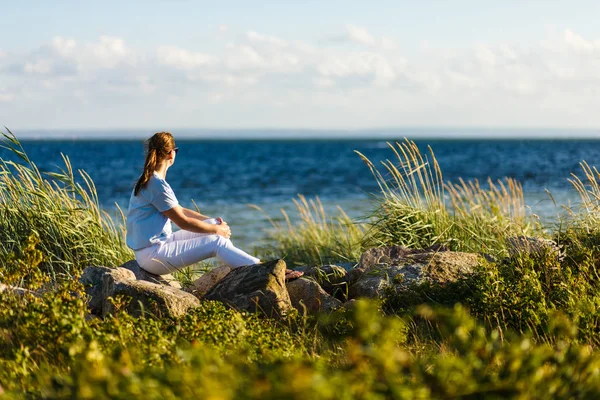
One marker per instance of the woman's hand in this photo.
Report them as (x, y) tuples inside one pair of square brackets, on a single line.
[(223, 229)]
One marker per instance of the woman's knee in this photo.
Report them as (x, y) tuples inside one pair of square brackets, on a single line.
[(223, 242)]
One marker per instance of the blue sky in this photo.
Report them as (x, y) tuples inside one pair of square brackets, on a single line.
[(311, 64)]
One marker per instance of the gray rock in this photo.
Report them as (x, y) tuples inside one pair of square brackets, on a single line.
[(207, 281), (332, 278), (143, 275), (306, 294), (91, 279), (255, 288), (102, 283), (374, 281), (400, 267), (142, 296), (533, 246)]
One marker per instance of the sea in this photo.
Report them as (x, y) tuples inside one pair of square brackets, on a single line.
[(249, 181)]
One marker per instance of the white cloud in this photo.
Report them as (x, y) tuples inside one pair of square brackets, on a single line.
[(324, 82), (361, 35), (109, 52), (250, 73), (486, 56), (271, 40), (579, 44), (184, 59), (64, 46)]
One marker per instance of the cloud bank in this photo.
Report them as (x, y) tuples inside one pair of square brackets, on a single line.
[(353, 79)]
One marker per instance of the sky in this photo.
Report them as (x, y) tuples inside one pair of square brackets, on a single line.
[(343, 65)]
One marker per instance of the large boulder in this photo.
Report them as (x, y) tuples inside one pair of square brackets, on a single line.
[(143, 275), (258, 288), (400, 267), (206, 282), (307, 295), (332, 278), (107, 287), (144, 297)]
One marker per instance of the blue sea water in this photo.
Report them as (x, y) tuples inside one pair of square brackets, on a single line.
[(223, 177)]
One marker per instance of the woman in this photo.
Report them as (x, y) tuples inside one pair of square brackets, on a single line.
[(152, 207)]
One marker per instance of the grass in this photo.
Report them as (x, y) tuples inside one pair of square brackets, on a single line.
[(418, 209), (525, 326), (64, 215), (314, 238), (415, 208)]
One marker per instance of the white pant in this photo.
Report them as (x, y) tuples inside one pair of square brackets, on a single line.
[(185, 248)]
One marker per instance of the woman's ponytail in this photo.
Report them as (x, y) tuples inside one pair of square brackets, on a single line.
[(159, 146)]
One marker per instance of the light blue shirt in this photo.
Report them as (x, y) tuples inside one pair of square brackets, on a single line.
[(146, 225)]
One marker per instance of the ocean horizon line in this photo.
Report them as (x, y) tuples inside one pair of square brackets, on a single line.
[(224, 134)]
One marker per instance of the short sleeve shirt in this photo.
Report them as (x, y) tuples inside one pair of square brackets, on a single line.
[(146, 225)]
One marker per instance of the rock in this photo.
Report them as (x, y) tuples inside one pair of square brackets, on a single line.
[(91, 279), (101, 283), (207, 281), (348, 306), (255, 288), (400, 267), (306, 294), (332, 278), (143, 296), (533, 246), (374, 281), (143, 275)]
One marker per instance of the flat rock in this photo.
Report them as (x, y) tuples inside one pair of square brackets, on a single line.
[(207, 281), (142, 296), (143, 275), (398, 266), (258, 288), (306, 294), (102, 283)]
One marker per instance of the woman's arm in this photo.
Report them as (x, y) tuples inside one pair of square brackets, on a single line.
[(193, 224), (194, 214)]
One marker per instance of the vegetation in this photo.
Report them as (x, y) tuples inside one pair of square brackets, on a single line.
[(522, 326), (60, 211), (417, 208), (314, 238)]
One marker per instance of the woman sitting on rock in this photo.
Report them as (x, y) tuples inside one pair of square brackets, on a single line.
[(152, 207)]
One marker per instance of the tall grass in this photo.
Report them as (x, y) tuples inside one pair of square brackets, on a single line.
[(64, 214), (417, 208), (314, 237), (587, 215)]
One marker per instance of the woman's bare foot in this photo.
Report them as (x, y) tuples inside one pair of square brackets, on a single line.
[(291, 274)]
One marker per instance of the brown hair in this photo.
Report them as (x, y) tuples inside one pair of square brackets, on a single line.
[(158, 148)]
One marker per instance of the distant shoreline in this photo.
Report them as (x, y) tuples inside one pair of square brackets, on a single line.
[(384, 134), (309, 139)]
